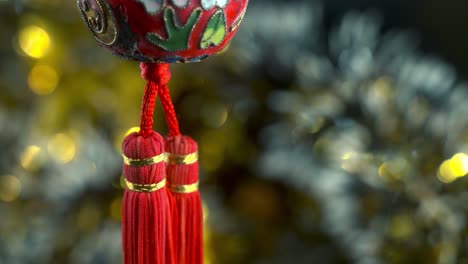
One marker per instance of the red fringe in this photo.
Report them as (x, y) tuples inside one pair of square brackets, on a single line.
[(146, 226), (186, 208)]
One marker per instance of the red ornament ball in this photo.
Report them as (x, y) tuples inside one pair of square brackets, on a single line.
[(163, 31)]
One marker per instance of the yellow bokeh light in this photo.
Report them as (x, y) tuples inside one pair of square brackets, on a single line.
[(215, 115), (459, 164), (34, 41), (116, 208), (382, 88), (10, 188), (225, 49), (347, 155), (62, 148), (132, 130), (31, 159), (212, 145), (209, 257), (43, 79), (394, 170), (401, 227), (206, 212), (123, 185), (88, 217), (383, 171), (454, 168), (446, 174), (354, 162)]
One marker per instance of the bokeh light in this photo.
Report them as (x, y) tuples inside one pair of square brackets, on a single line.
[(34, 41), (459, 164), (401, 227), (116, 208), (88, 217), (10, 188), (43, 79), (62, 147), (453, 168), (214, 115), (132, 130), (32, 158), (394, 170)]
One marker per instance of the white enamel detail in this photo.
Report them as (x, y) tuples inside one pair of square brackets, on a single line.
[(208, 4), (151, 6), (221, 3), (180, 3)]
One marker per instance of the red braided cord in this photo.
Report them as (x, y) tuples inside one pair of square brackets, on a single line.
[(157, 75), (147, 109), (169, 111)]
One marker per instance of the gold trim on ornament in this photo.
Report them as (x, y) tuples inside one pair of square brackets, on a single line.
[(239, 20), (174, 159), (147, 188), (188, 188), (100, 20), (145, 162)]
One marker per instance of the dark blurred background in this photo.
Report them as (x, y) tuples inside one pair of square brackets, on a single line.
[(437, 23), (339, 135)]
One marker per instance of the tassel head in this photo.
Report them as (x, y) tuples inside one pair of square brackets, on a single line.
[(144, 158), (182, 163)]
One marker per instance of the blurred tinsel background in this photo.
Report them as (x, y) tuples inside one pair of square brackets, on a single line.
[(329, 133)]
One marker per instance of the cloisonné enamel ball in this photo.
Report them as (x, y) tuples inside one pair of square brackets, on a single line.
[(164, 31)]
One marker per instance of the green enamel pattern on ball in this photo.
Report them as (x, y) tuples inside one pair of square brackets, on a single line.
[(178, 36), (215, 31)]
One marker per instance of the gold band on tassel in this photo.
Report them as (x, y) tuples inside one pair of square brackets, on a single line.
[(189, 188), (147, 188), (175, 159), (144, 162)]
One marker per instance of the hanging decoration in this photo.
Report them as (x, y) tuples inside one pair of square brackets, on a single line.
[(162, 209)]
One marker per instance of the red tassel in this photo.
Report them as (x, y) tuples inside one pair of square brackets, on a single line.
[(145, 203), (182, 174), (147, 228)]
